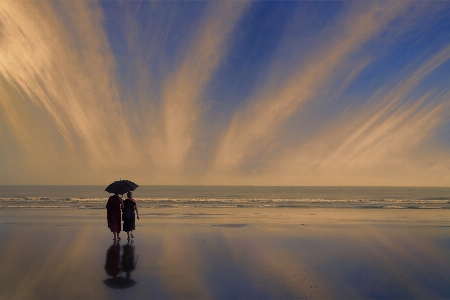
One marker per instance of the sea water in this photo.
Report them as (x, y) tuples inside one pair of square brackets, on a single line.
[(95, 197), (227, 242)]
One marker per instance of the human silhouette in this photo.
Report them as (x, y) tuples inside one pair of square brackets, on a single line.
[(113, 207), (128, 216)]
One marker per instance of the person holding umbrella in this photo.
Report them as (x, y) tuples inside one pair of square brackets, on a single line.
[(113, 207), (115, 204)]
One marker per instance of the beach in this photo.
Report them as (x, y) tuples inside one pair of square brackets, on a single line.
[(227, 253)]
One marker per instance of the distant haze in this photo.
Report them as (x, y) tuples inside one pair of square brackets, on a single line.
[(225, 92)]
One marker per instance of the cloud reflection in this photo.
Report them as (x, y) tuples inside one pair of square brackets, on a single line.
[(344, 253), (312, 261)]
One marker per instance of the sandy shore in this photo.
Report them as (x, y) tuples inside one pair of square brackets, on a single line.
[(227, 253)]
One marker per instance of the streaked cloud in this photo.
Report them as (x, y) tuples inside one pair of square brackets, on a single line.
[(182, 90), (349, 93), (383, 142), (72, 85), (256, 125)]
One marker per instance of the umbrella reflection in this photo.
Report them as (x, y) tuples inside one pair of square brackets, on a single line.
[(114, 266), (119, 282)]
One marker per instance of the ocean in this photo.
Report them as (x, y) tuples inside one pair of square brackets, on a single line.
[(94, 197), (227, 242)]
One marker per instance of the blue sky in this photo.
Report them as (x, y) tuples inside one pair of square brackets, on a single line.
[(225, 92)]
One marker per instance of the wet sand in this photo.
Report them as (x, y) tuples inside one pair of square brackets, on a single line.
[(227, 253)]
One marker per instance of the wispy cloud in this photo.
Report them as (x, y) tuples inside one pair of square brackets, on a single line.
[(74, 88), (183, 89), (85, 97), (384, 142), (258, 123)]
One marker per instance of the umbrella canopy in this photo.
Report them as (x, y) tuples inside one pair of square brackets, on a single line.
[(121, 187)]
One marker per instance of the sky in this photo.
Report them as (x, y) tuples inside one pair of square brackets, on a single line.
[(225, 92)]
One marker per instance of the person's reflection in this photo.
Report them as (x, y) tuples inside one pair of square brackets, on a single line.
[(114, 266), (128, 262)]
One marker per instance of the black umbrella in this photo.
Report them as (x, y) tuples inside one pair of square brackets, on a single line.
[(121, 187)]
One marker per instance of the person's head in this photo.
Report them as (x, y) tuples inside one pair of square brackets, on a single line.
[(129, 195)]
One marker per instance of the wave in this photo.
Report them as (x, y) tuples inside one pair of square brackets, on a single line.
[(98, 203)]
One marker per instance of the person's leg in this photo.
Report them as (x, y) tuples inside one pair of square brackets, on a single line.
[(118, 237), (115, 237), (132, 236)]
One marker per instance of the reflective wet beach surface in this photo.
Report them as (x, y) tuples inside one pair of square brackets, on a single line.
[(227, 254)]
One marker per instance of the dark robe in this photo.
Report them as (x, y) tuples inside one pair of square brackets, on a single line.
[(129, 207), (113, 213)]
